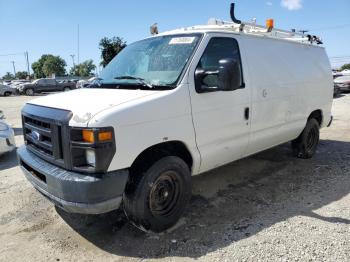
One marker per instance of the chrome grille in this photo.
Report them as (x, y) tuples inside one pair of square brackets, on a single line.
[(39, 135), (46, 133)]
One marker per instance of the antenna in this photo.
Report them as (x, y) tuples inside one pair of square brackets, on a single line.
[(232, 13)]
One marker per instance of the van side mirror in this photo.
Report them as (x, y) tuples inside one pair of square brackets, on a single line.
[(228, 75)]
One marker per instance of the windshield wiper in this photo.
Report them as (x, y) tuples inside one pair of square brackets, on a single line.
[(141, 80)]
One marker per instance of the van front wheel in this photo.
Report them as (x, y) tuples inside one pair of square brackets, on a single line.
[(155, 200), (305, 145)]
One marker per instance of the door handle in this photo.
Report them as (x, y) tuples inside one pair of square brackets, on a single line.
[(246, 113)]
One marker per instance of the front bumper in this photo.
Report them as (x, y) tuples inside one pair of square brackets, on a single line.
[(71, 191)]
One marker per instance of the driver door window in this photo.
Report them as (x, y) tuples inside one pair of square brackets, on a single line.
[(218, 48)]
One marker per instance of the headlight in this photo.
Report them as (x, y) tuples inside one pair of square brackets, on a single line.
[(92, 149), (90, 157), (3, 126)]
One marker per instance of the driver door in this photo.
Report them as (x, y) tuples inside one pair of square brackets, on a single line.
[(221, 118)]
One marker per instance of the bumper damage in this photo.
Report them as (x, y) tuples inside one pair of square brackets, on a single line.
[(71, 191)]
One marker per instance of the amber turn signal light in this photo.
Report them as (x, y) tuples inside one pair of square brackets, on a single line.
[(105, 136), (88, 136)]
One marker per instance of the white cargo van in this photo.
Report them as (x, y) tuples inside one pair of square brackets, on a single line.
[(171, 106)]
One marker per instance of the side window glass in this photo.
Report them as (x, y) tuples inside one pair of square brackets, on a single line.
[(218, 48)]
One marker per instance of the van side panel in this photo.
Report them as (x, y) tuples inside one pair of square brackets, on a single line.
[(289, 81)]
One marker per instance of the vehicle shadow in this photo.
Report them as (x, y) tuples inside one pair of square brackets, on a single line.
[(18, 131), (8, 160), (232, 203), (339, 96)]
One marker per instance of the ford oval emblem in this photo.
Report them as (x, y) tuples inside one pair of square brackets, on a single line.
[(36, 135)]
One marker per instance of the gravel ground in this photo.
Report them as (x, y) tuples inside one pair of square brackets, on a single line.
[(268, 207)]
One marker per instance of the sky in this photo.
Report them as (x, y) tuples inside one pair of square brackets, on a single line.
[(50, 27)]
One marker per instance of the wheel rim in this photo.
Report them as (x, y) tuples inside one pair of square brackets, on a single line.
[(29, 92), (311, 139), (66, 89), (164, 194)]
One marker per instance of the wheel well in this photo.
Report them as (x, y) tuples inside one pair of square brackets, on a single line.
[(317, 114), (156, 152)]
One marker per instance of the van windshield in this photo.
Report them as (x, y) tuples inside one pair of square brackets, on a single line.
[(151, 63)]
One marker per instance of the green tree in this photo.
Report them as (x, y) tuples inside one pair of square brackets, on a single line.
[(110, 47), (54, 65), (48, 65), (84, 69), (38, 66), (346, 66), (21, 74), (8, 76)]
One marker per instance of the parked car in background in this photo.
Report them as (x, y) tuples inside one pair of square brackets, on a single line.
[(345, 72), (6, 82), (336, 74), (6, 90), (86, 83), (336, 91), (45, 85), (7, 136), (343, 83), (15, 83)]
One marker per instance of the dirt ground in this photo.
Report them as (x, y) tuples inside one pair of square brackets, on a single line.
[(268, 207)]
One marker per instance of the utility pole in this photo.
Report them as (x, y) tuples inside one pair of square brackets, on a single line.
[(73, 60), (78, 45), (27, 59), (14, 68)]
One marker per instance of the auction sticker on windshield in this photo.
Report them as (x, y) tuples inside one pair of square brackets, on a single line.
[(181, 40)]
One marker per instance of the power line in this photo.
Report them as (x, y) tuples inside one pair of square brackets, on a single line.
[(11, 54), (330, 28)]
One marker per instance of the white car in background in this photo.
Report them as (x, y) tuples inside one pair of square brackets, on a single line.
[(345, 72), (6, 90), (7, 136), (342, 83)]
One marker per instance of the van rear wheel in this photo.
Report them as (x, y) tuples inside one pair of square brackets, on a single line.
[(155, 200), (305, 145)]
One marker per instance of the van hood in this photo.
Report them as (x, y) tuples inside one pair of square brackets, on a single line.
[(87, 102)]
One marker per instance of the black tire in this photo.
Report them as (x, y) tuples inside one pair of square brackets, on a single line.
[(305, 145), (29, 92), (157, 198), (7, 93), (66, 89)]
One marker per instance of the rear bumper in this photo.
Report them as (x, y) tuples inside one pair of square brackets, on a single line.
[(71, 191)]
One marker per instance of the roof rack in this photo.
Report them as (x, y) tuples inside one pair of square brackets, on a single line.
[(254, 29)]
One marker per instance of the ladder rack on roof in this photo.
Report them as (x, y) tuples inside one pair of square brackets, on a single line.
[(254, 29)]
